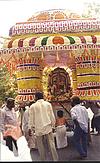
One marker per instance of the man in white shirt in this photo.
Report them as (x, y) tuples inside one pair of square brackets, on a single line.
[(23, 150), (42, 119), (79, 115)]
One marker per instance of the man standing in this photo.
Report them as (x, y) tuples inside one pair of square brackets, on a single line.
[(9, 117), (42, 118), (20, 112), (79, 115), (29, 137)]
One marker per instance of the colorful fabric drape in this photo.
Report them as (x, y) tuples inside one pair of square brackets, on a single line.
[(51, 41)]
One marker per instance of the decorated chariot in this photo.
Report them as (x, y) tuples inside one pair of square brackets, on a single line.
[(57, 52)]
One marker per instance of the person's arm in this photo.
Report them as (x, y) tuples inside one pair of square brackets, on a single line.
[(25, 121), (74, 117), (76, 122), (56, 122), (52, 116), (31, 122), (31, 117), (23, 149), (73, 114), (2, 120)]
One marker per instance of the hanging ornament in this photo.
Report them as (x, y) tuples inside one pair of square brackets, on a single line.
[(42, 56), (57, 56)]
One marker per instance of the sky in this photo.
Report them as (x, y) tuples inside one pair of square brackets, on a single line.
[(13, 11)]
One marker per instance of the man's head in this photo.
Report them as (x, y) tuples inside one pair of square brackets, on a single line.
[(75, 100), (10, 103), (38, 96)]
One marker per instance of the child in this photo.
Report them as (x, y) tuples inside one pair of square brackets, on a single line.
[(61, 138)]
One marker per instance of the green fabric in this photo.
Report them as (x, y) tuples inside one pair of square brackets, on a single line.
[(44, 41), (72, 41)]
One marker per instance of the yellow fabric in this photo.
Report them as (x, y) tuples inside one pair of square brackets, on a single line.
[(90, 97), (88, 70), (29, 84), (88, 79), (29, 73)]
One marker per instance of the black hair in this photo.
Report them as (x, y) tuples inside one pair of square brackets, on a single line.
[(10, 99), (60, 113), (10, 102), (75, 100), (39, 95)]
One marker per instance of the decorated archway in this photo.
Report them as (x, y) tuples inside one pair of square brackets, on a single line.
[(57, 83), (50, 38)]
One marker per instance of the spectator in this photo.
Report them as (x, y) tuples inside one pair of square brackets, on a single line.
[(61, 138), (42, 118), (23, 150), (84, 103), (20, 112), (79, 115), (97, 122), (61, 119), (92, 124), (29, 137), (9, 117)]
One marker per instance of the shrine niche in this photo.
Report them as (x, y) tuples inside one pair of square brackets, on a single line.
[(59, 84)]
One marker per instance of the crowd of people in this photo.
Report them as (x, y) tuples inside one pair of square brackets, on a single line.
[(29, 126)]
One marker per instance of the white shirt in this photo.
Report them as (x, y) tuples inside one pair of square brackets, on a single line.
[(25, 120), (41, 117), (23, 151), (8, 117), (80, 113)]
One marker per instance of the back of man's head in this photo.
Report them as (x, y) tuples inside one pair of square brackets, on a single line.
[(60, 113), (39, 95), (75, 100)]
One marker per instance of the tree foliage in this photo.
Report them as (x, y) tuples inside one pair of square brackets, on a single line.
[(92, 10), (8, 85)]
